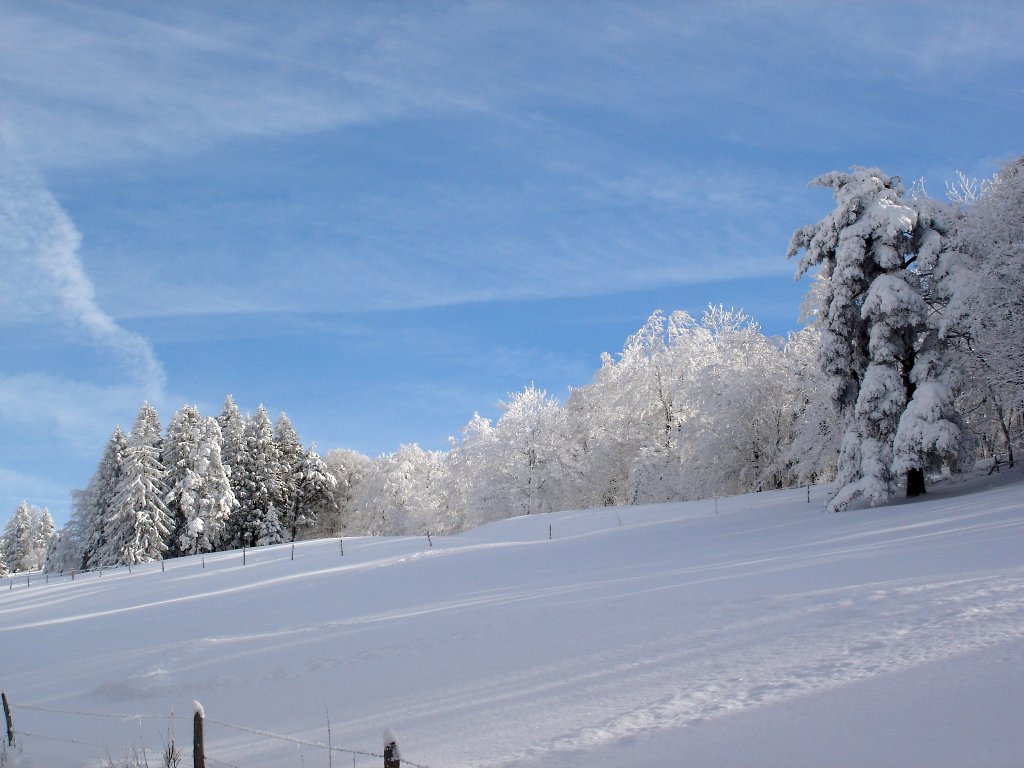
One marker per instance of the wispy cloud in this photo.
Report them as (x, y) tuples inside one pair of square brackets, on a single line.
[(46, 281)]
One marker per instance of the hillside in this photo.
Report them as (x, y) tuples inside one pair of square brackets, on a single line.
[(757, 630)]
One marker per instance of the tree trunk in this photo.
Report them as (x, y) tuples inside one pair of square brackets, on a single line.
[(915, 483)]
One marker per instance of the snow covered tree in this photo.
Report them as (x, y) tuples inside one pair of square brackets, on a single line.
[(26, 538), (625, 420), (268, 527), (256, 478), (290, 456), (183, 434), (740, 406), (4, 571), (139, 523), (981, 275), (232, 431), (84, 536), (204, 498), (473, 472), (315, 495), (348, 469), (878, 345), (402, 492), (814, 449)]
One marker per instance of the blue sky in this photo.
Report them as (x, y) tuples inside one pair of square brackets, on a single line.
[(382, 217)]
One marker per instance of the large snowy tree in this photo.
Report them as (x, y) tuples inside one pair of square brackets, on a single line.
[(204, 496), (139, 523), (256, 478), (315, 495), (348, 468), (232, 438), (402, 492), (290, 457), (981, 274), (890, 383), (183, 434), (26, 538), (84, 536)]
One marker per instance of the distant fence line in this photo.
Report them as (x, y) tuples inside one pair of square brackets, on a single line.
[(15, 579), (28, 578), (390, 755)]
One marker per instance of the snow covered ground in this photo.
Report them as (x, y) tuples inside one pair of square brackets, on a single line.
[(761, 633)]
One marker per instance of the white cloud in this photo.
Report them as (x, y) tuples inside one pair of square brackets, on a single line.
[(46, 281)]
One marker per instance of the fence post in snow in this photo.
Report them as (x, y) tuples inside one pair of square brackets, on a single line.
[(198, 750), (808, 493), (392, 755), (293, 551), (7, 717), (341, 546), (429, 540)]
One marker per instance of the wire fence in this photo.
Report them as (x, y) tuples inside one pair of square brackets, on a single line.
[(244, 555), (14, 734)]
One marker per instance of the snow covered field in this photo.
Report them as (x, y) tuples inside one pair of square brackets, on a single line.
[(763, 633)]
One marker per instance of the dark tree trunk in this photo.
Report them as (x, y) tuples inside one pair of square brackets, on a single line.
[(915, 483)]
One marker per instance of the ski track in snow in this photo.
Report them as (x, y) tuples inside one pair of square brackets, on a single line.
[(519, 652)]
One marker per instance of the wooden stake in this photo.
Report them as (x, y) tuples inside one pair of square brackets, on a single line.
[(7, 717), (330, 749), (198, 750)]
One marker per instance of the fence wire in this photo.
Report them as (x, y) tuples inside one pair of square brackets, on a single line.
[(139, 717)]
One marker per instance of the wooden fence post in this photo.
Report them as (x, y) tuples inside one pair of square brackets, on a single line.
[(198, 750), (7, 717), (392, 756)]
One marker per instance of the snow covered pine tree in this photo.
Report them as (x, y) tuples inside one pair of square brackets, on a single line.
[(879, 346)]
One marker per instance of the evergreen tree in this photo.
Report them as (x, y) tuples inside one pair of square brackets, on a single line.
[(878, 337), (268, 528), (290, 457), (139, 522), (16, 541), (316, 494), (3, 564), (183, 435), (232, 431), (26, 539), (84, 535), (258, 482), (206, 500)]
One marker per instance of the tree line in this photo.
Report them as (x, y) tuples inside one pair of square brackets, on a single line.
[(909, 366)]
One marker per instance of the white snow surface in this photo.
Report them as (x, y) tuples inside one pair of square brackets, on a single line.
[(768, 634)]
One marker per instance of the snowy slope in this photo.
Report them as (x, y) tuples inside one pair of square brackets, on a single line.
[(764, 633)]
